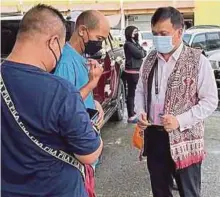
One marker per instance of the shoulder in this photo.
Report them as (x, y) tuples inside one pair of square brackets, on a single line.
[(67, 54), (70, 57), (204, 62), (66, 63), (152, 53), (194, 55), (151, 56), (203, 58), (193, 51), (63, 85), (49, 85), (61, 92), (128, 43)]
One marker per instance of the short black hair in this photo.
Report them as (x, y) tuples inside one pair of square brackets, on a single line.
[(36, 18), (88, 18), (171, 13)]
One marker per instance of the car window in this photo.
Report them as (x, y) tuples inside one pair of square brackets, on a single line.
[(146, 36), (213, 41), (70, 25), (106, 45), (115, 32), (115, 42), (9, 30), (186, 38), (199, 41)]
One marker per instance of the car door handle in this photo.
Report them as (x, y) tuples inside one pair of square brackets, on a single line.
[(119, 60), (112, 62)]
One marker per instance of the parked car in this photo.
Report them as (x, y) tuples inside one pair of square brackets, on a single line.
[(215, 62), (205, 27), (110, 90), (118, 36), (146, 40), (203, 37)]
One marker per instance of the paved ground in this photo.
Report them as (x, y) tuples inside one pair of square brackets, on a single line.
[(122, 175)]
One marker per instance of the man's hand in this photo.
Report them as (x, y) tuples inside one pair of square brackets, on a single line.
[(95, 72), (100, 119), (142, 122), (170, 122)]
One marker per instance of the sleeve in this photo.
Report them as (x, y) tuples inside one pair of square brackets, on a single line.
[(76, 127), (208, 97), (139, 99), (66, 71), (137, 52)]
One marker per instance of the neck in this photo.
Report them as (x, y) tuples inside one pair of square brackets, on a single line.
[(76, 42), (167, 56), (23, 53)]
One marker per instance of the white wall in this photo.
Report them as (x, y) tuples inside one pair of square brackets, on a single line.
[(143, 22)]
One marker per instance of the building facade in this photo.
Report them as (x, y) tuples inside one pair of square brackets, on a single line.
[(207, 12), (136, 13)]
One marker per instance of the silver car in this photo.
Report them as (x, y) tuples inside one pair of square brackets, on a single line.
[(204, 37), (146, 40), (215, 62)]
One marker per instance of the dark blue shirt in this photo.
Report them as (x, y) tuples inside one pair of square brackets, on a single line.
[(52, 111)]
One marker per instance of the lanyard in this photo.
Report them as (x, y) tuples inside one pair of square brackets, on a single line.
[(156, 80)]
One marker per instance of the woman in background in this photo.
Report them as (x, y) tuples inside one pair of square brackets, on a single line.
[(134, 55)]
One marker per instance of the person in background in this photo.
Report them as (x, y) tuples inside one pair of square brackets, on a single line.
[(91, 29), (134, 55), (51, 110), (175, 93)]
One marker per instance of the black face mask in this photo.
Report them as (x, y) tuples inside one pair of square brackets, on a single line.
[(57, 60), (92, 47), (136, 37)]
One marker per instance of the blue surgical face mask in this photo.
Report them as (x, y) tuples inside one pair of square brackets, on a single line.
[(163, 44)]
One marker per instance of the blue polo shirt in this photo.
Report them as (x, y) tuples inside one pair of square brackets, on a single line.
[(52, 111), (72, 67)]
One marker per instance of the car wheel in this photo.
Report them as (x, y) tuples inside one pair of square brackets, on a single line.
[(119, 113)]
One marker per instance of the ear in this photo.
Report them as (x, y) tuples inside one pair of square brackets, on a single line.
[(181, 33), (53, 40), (81, 30)]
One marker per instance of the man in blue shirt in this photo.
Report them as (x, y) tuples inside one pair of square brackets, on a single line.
[(50, 108), (91, 28)]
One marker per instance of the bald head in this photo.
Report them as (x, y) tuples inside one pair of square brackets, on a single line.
[(92, 28), (43, 20), (92, 19)]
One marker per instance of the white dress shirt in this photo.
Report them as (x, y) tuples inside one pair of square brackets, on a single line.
[(207, 91)]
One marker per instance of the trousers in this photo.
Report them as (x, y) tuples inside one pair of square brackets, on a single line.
[(132, 80), (162, 169)]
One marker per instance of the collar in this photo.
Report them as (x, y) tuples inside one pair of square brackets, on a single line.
[(175, 55), (75, 53)]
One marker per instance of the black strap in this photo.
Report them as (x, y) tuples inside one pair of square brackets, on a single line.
[(149, 89), (149, 86), (156, 80)]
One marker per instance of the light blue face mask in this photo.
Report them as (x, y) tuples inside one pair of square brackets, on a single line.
[(163, 44)]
